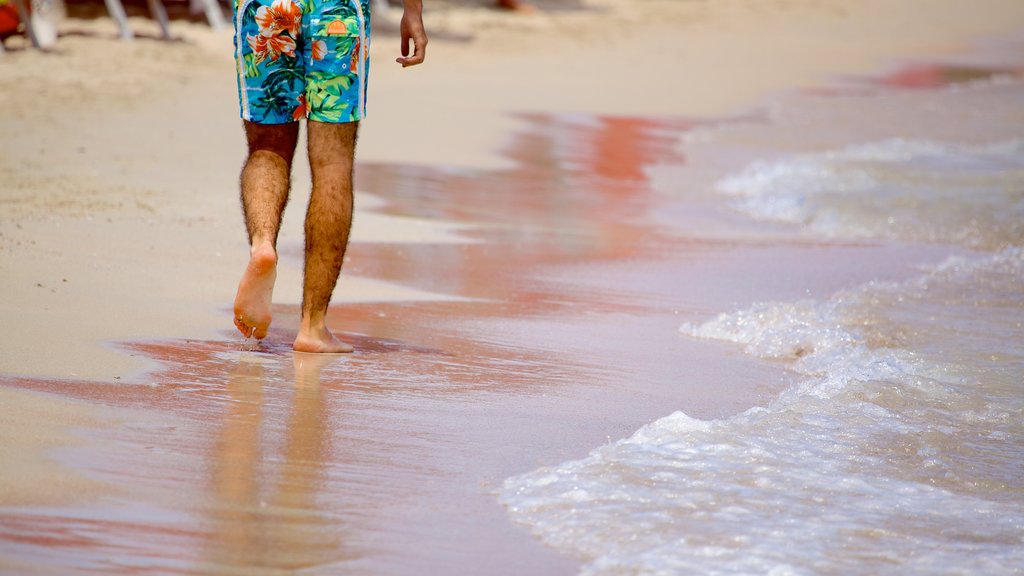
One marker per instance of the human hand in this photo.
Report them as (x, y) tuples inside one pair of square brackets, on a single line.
[(412, 29)]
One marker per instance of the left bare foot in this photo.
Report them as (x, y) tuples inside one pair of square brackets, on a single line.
[(319, 341), (255, 291)]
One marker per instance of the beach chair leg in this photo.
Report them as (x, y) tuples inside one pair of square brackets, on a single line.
[(213, 14), (157, 10), (116, 10), (24, 16)]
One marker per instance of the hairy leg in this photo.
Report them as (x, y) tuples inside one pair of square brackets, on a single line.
[(264, 182), (328, 220)]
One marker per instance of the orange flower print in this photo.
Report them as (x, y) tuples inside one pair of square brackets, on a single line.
[(281, 16), (354, 64), (272, 46), (300, 111), (319, 50)]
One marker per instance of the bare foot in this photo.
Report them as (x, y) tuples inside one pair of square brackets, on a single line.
[(252, 303), (319, 341)]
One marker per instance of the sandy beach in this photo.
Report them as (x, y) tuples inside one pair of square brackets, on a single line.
[(535, 220)]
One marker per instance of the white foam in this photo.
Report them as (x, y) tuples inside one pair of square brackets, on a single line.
[(909, 189), (891, 456)]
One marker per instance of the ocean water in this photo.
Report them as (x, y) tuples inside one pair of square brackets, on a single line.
[(903, 189), (899, 449)]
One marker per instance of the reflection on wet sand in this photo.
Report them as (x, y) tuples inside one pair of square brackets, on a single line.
[(264, 513), (922, 76)]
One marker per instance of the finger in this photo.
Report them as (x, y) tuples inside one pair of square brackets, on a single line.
[(410, 61), (418, 55), (405, 44)]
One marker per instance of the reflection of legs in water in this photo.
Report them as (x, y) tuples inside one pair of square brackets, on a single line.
[(308, 369), (266, 514), (239, 447), (265, 182), (328, 220), (303, 536), (236, 479)]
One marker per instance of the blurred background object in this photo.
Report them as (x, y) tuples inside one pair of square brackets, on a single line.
[(10, 21), (38, 20), (212, 11), (46, 14), (515, 5)]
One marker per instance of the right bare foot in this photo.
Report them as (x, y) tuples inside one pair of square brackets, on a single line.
[(255, 291), (319, 341)]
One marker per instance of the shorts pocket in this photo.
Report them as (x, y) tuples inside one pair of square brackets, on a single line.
[(333, 83)]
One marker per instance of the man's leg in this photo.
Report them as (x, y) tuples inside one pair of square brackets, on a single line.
[(328, 219), (265, 181)]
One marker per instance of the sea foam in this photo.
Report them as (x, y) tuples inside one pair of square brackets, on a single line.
[(889, 456), (898, 448), (905, 189)]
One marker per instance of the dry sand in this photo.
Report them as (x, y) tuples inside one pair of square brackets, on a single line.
[(119, 223)]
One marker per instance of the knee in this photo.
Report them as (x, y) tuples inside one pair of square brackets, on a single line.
[(334, 164), (277, 139), (268, 159), (332, 146)]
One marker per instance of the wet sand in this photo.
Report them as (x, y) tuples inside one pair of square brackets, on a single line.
[(541, 324), (236, 457)]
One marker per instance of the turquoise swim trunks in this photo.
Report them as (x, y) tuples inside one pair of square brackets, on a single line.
[(302, 59)]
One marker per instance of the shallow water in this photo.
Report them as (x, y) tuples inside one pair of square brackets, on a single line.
[(905, 189), (898, 452), (898, 447)]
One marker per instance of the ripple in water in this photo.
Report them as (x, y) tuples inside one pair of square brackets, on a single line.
[(900, 451), (903, 189), (892, 456)]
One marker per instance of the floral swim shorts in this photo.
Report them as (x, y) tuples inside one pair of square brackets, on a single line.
[(302, 59)]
